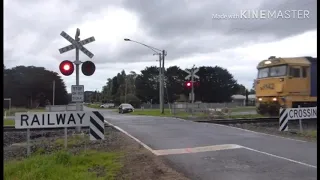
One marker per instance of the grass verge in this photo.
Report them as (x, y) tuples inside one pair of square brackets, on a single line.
[(243, 109), (8, 122), (63, 165), (16, 110)]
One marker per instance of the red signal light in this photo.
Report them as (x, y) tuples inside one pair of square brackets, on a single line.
[(88, 68), (66, 67), (188, 84)]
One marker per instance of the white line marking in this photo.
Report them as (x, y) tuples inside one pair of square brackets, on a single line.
[(305, 164), (196, 149), (258, 132), (126, 133)]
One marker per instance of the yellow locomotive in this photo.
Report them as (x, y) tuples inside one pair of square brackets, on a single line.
[(287, 83)]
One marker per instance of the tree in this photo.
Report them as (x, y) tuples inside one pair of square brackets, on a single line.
[(147, 84), (216, 85), (32, 86), (174, 80)]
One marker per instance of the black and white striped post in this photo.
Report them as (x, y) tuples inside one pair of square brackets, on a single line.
[(283, 120), (96, 126)]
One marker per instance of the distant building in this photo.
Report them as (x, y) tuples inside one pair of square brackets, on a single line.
[(241, 99), (88, 95)]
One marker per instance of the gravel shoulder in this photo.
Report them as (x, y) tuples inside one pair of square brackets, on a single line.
[(136, 162)]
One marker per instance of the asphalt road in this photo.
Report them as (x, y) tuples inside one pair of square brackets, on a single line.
[(217, 152)]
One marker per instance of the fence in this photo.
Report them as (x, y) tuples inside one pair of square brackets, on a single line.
[(199, 105)]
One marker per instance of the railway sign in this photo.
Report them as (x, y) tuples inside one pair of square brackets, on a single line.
[(295, 114), (75, 44), (77, 93), (192, 73), (70, 47)]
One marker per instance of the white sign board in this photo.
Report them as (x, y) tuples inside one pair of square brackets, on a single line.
[(301, 113), (52, 119), (77, 93)]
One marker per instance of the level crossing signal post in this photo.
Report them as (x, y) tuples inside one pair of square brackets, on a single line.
[(67, 67)]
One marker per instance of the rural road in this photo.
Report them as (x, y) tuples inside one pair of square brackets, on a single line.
[(217, 152)]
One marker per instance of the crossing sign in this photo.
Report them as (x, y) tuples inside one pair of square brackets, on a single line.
[(192, 73), (75, 44)]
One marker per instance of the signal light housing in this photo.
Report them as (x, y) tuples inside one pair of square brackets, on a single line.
[(88, 68), (66, 67)]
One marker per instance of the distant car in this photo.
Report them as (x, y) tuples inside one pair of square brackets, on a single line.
[(108, 105), (125, 108)]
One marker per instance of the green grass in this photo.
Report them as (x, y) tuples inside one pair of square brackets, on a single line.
[(15, 110), (63, 165), (156, 112), (72, 140), (8, 122), (310, 133), (243, 109)]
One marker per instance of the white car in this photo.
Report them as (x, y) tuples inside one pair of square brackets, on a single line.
[(107, 105)]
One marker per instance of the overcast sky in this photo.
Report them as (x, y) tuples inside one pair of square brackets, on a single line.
[(186, 29)]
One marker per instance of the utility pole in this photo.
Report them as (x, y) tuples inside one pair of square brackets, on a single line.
[(53, 91), (160, 83), (125, 89), (77, 39)]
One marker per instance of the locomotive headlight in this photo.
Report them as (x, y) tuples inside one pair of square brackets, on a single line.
[(274, 99), (260, 99)]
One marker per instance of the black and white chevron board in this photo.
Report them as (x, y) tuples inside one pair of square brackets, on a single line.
[(96, 126), (295, 114)]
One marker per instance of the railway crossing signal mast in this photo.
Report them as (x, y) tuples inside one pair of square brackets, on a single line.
[(192, 75), (67, 68)]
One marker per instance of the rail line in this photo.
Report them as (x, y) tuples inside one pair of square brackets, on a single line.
[(247, 121), (13, 129)]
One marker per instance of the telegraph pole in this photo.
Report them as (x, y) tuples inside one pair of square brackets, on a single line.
[(160, 83), (53, 91)]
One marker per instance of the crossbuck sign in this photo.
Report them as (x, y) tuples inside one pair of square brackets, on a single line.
[(75, 44), (192, 73)]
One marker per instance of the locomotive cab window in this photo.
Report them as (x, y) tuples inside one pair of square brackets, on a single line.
[(304, 72), (295, 72)]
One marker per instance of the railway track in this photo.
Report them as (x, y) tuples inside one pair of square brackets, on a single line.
[(13, 129), (248, 121)]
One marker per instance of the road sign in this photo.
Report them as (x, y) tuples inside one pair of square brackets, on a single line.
[(295, 114), (51, 119), (187, 71), (57, 119), (70, 47), (96, 126), (77, 93), (76, 44)]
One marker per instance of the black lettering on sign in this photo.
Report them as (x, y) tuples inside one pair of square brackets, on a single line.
[(24, 117), (61, 118), (35, 119), (81, 117), (71, 118), (49, 123)]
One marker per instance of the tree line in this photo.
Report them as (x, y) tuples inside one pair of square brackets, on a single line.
[(215, 84), (31, 87)]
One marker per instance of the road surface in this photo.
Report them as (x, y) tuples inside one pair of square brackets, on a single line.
[(217, 152)]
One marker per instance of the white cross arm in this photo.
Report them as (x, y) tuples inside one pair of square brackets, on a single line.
[(195, 71), (187, 71), (187, 77), (195, 76), (70, 47)]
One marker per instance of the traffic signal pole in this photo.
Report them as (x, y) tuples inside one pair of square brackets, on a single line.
[(77, 62), (192, 89)]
